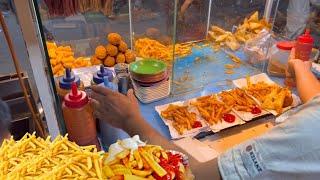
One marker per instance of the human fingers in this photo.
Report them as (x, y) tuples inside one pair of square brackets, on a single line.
[(95, 104), (131, 96), (97, 96), (292, 54)]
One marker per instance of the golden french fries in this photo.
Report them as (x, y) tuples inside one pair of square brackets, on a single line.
[(271, 96), (150, 48), (36, 158), (238, 99), (181, 118), (211, 109)]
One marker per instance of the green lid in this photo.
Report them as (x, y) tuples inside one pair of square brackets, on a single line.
[(147, 67)]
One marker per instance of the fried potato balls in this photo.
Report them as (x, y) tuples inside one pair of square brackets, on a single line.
[(123, 46), (114, 38), (112, 50), (101, 52), (130, 56), (109, 61)]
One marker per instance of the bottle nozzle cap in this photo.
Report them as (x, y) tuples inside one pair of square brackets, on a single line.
[(75, 98), (306, 37), (102, 69)]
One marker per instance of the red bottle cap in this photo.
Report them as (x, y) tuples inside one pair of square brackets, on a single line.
[(285, 45), (306, 38), (75, 98)]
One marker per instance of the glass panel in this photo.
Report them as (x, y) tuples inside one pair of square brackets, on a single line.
[(294, 16), (84, 24), (213, 61), (153, 20)]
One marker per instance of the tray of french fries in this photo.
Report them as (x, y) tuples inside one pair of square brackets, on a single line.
[(181, 119), (267, 94), (128, 159), (246, 107), (190, 117)]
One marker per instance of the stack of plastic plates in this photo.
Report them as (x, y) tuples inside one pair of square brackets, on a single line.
[(152, 93), (150, 80)]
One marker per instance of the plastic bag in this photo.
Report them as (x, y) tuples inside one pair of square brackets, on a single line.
[(257, 49)]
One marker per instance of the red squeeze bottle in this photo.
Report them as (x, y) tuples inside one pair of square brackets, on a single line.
[(78, 117), (304, 46)]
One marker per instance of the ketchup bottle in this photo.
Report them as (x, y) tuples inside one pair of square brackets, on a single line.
[(78, 117), (304, 46), (65, 82), (99, 75)]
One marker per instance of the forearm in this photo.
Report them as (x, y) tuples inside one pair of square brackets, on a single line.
[(307, 84)]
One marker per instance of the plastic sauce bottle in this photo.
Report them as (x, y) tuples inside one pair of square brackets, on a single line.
[(110, 134), (304, 46), (78, 117), (64, 84), (99, 75)]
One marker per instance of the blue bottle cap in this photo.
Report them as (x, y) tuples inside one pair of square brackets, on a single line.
[(99, 75), (106, 81), (68, 78)]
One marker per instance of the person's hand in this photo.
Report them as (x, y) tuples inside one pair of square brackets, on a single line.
[(293, 63), (113, 107)]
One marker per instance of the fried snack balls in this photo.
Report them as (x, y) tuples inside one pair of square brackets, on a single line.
[(123, 46), (109, 61), (121, 58), (95, 61), (114, 38), (130, 56), (112, 50), (101, 52)]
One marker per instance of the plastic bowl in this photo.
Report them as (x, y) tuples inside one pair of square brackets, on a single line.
[(147, 67)]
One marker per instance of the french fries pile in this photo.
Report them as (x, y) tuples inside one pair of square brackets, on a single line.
[(149, 48), (238, 100), (271, 96), (62, 57), (37, 158), (246, 31), (141, 162), (211, 109), (180, 116)]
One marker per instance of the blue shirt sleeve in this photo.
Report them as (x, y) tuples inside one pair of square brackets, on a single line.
[(290, 150)]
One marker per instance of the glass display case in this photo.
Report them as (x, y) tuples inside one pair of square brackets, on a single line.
[(202, 41)]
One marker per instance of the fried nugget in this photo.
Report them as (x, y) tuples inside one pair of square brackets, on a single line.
[(130, 56), (114, 38), (101, 52), (95, 61), (121, 58), (112, 50), (123, 46), (109, 61)]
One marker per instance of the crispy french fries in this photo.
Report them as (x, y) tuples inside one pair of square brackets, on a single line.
[(211, 109), (180, 116), (36, 158), (238, 99), (153, 164), (271, 96)]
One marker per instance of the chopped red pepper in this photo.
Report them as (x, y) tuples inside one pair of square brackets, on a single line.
[(230, 118), (196, 124)]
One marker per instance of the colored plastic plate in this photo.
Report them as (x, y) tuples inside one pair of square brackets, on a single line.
[(147, 67)]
